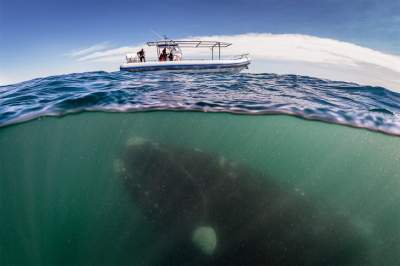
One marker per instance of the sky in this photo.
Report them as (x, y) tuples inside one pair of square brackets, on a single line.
[(42, 37)]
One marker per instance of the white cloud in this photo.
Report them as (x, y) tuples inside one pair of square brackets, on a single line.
[(4, 80), (310, 49), (291, 54), (89, 50), (274, 53), (116, 53)]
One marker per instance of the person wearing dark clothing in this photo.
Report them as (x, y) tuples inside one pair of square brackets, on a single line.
[(170, 56), (163, 55), (141, 55)]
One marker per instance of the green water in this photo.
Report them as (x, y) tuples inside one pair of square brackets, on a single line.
[(61, 201)]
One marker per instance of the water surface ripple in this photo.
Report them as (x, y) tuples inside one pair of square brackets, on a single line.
[(374, 108)]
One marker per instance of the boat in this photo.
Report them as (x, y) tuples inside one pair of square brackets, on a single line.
[(176, 62)]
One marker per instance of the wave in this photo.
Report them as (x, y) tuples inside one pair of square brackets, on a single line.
[(373, 108)]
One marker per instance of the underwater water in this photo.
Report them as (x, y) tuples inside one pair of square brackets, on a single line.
[(178, 188)]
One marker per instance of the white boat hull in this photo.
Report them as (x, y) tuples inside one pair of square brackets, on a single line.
[(192, 66)]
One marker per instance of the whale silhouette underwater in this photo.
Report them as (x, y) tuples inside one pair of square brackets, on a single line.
[(211, 211)]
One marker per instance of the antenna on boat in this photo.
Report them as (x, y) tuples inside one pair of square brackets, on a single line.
[(158, 35)]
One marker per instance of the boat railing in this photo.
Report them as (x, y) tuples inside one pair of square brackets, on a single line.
[(235, 57)]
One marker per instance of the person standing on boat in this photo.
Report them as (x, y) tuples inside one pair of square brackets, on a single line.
[(141, 55), (163, 55), (170, 56)]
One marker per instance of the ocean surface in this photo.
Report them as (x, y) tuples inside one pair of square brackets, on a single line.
[(249, 169), (374, 108)]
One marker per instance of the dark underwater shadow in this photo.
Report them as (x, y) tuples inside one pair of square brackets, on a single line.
[(207, 210)]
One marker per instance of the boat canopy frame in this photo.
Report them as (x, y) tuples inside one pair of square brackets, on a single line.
[(190, 44)]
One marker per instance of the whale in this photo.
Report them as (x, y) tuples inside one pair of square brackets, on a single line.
[(209, 210)]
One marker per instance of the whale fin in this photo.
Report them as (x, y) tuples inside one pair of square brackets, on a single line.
[(205, 239)]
